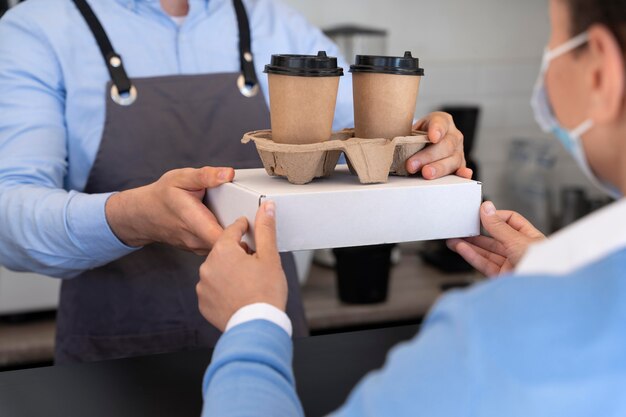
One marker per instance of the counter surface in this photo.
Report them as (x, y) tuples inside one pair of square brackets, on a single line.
[(326, 368)]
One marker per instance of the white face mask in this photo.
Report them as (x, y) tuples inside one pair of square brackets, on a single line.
[(546, 119)]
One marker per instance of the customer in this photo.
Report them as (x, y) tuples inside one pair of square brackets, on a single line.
[(551, 342)]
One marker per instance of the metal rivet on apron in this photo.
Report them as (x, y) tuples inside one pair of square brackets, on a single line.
[(247, 90), (247, 56), (126, 99), (115, 62)]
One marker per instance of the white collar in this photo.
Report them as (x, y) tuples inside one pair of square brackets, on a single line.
[(584, 242)]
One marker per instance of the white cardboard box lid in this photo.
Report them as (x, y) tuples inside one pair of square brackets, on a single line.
[(339, 211)]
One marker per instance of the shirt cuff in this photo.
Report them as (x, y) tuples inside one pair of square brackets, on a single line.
[(88, 227), (260, 311)]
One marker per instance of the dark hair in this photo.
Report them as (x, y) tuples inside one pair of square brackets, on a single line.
[(610, 13)]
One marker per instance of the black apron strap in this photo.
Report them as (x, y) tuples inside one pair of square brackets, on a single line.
[(122, 91), (248, 82)]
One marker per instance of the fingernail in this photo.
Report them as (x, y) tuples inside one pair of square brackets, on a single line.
[(222, 174), (437, 135), (415, 166), (488, 208), (270, 208), (432, 172)]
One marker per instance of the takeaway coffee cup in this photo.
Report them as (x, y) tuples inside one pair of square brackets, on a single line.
[(385, 93), (303, 94)]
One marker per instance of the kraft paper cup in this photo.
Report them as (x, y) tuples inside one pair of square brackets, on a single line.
[(385, 93), (303, 94)]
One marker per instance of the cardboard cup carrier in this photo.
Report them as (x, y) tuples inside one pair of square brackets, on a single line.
[(303, 92), (372, 160)]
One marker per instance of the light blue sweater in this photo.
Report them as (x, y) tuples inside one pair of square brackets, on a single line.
[(515, 346)]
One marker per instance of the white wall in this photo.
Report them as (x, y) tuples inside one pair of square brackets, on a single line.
[(484, 52), (22, 292)]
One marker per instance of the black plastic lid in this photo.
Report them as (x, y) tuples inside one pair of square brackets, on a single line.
[(406, 65), (318, 65)]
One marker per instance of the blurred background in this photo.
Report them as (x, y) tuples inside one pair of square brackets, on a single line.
[(483, 53)]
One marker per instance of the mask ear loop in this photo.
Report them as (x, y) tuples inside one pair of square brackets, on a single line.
[(544, 114), (565, 47), (583, 128), (573, 43), (577, 147)]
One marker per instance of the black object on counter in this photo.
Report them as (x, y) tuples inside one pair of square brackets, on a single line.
[(363, 273), (437, 253), (466, 120), (574, 205)]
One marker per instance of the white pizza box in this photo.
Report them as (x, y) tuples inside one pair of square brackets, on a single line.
[(340, 212)]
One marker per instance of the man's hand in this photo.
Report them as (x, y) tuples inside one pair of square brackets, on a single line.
[(445, 155), (169, 210), (231, 278), (511, 235)]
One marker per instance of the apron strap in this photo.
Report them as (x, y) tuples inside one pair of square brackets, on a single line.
[(248, 83), (122, 91)]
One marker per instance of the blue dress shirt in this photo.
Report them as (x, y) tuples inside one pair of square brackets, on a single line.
[(52, 108)]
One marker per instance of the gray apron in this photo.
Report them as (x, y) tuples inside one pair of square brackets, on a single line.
[(146, 302)]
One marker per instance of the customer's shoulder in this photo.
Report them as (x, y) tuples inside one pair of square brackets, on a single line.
[(520, 334), (520, 299)]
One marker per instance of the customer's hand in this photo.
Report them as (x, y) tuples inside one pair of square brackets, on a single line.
[(232, 278), (445, 155), (511, 234), (169, 210)]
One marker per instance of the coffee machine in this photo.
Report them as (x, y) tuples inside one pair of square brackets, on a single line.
[(353, 40), (436, 253)]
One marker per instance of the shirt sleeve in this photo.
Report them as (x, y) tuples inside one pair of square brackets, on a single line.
[(251, 374), (43, 227)]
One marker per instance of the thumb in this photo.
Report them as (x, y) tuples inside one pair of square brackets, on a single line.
[(265, 231), (497, 228), (201, 178)]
